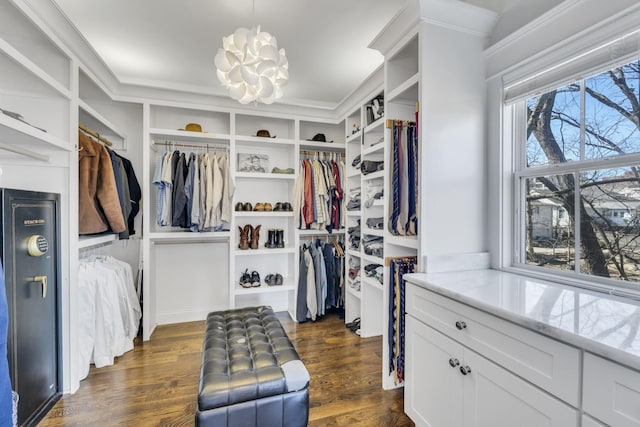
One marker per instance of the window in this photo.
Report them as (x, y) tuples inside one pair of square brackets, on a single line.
[(580, 157)]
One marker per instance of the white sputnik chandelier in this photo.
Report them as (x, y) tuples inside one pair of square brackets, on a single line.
[(251, 67)]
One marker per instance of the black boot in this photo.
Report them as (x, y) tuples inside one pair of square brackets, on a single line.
[(279, 238), (270, 243)]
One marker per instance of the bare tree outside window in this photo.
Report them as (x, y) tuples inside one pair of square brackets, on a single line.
[(572, 130)]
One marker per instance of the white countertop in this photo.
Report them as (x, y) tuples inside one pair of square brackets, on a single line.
[(599, 323)]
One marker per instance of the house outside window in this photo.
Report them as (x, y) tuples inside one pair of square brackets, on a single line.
[(578, 178)]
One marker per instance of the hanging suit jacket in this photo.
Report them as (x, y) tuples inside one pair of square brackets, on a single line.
[(98, 201)]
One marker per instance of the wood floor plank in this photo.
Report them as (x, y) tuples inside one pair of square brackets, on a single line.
[(156, 383)]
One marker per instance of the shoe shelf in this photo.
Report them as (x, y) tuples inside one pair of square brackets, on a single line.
[(90, 241), (264, 289), (253, 214), (354, 213), (261, 251), (355, 173), (354, 252)]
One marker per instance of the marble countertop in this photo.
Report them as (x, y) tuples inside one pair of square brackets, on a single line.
[(596, 322)]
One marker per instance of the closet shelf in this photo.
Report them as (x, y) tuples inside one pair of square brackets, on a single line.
[(371, 259), (354, 252), (258, 140), (253, 214), (355, 137), (374, 126), (352, 291), (378, 202), (405, 92), (404, 241), (263, 289), (265, 251), (373, 149), (372, 232), (90, 241), (188, 237), (354, 173), (98, 123), (188, 136), (259, 175), (322, 146), (374, 175), (372, 283), (24, 138), (39, 79), (354, 213), (320, 233)]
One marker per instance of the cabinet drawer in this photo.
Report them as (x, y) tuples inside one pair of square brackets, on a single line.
[(590, 422), (611, 392), (547, 363)]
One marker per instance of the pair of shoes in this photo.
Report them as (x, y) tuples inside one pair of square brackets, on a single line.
[(283, 207), (249, 232), (260, 207), (240, 207), (275, 238), (274, 279), (250, 280), (354, 326)]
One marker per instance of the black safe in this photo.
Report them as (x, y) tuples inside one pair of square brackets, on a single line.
[(30, 256)]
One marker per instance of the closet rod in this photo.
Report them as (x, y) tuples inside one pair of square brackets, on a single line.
[(95, 135), (389, 123), (313, 153), (387, 260), (180, 144)]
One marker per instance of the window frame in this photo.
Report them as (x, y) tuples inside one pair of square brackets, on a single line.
[(515, 118)]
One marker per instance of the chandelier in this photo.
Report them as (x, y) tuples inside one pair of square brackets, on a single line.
[(251, 67)]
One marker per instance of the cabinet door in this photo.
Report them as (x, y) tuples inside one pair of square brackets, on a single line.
[(611, 392), (433, 388), (497, 398)]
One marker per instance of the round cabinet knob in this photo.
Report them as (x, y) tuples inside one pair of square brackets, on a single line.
[(454, 362), (37, 245), (460, 325), (464, 370)]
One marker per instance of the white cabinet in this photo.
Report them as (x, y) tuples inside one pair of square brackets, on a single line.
[(611, 392), (433, 385), (587, 421), (456, 378)]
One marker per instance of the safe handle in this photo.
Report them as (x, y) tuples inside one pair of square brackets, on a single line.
[(43, 281)]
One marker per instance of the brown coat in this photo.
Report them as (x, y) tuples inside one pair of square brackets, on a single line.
[(97, 193)]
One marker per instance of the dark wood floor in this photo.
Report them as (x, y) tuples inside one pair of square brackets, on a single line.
[(156, 383)]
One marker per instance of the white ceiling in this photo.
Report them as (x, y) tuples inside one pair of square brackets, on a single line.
[(172, 44)]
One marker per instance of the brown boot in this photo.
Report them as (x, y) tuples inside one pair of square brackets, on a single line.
[(244, 236), (255, 235)]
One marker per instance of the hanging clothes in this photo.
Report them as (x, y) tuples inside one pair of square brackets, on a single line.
[(403, 209), (396, 328), (321, 281), (110, 312), (98, 201), (318, 195), (195, 191)]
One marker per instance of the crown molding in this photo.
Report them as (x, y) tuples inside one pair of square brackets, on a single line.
[(538, 45)]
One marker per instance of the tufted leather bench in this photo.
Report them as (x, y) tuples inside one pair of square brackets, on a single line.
[(251, 374)]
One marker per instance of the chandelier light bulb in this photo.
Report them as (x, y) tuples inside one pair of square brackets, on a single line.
[(251, 67)]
